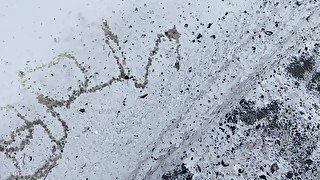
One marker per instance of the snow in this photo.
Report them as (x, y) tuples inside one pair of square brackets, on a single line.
[(159, 89)]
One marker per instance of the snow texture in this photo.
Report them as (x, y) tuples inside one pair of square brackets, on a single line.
[(168, 89)]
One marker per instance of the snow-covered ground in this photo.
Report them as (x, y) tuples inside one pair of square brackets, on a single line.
[(168, 90)]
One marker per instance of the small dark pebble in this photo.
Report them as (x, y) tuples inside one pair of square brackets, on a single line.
[(309, 162), (263, 177), (274, 167), (269, 33), (82, 110), (224, 163), (199, 36), (143, 96), (240, 170), (289, 174)]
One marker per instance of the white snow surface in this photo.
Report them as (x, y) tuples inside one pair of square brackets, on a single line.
[(168, 89)]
